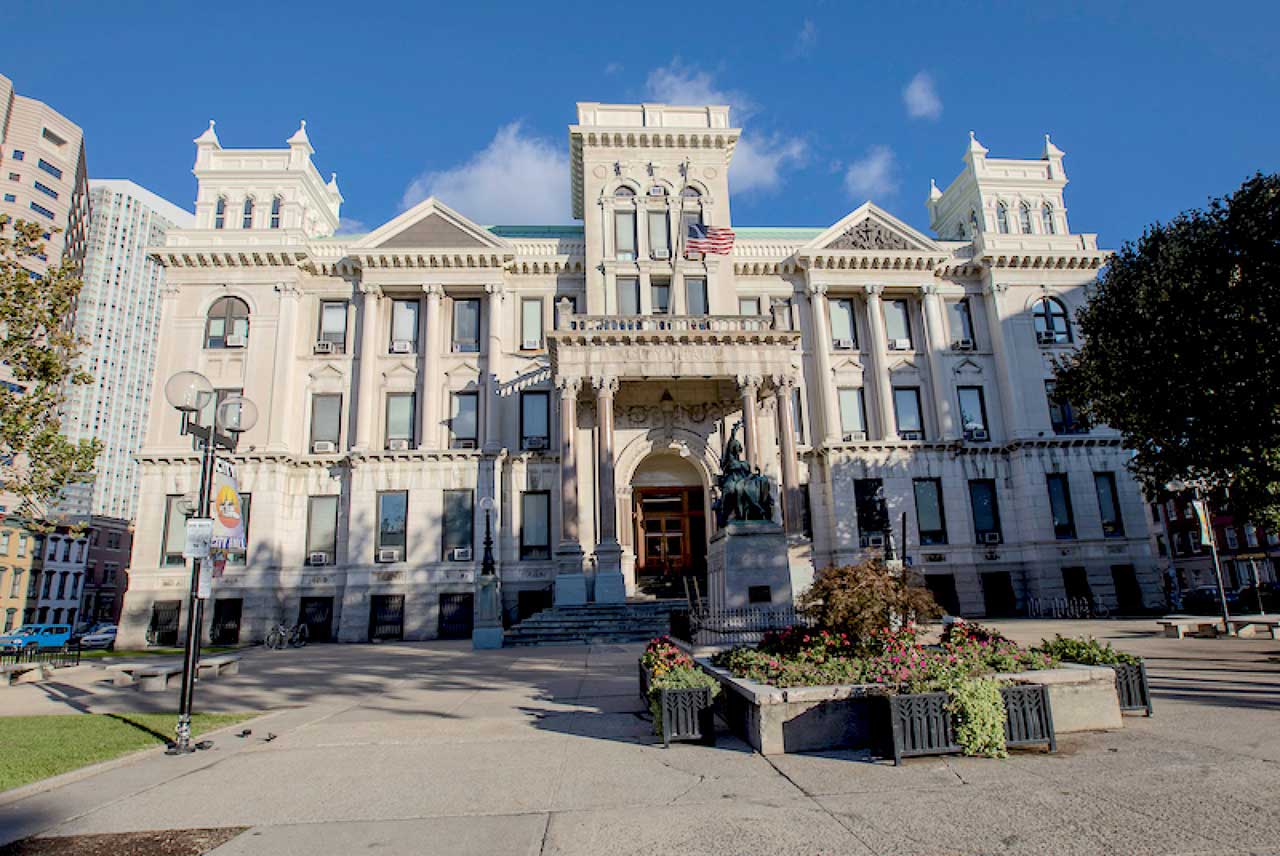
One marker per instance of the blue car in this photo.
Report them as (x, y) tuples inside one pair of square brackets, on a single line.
[(36, 636)]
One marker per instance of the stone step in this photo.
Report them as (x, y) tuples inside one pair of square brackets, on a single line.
[(593, 623)]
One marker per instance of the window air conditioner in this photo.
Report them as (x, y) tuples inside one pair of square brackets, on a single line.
[(662, 254), (899, 344), (990, 537), (657, 190), (979, 435), (323, 348), (389, 554), (875, 540), (399, 445), (844, 344), (855, 436), (909, 435), (962, 345), (1046, 337), (323, 447), (318, 559), (460, 554), (535, 442), (402, 346), (531, 344), (237, 341), (465, 443)]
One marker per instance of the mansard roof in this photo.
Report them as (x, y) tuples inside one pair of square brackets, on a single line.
[(430, 225)]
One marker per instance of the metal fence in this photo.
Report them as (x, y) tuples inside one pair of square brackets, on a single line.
[(55, 657), (740, 626), (1065, 607)]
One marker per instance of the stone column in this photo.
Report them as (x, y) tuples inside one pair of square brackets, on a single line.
[(571, 584), (937, 345), (610, 586), (370, 311), (792, 517), (429, 380), (1014, 425), (882, 395), (827, 403), (749, 388), (493, 374), (286, 346)]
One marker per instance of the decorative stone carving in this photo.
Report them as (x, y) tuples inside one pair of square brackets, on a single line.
[(869, 236)]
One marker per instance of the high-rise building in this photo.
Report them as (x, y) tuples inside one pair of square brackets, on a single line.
[(119, 318)]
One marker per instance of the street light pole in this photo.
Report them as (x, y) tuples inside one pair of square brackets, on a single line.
[(195, 613)]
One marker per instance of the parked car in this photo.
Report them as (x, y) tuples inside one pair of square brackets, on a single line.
[(36, 636), (1203, 600), (104, 636)]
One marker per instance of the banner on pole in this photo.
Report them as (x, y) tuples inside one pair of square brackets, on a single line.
[(1202, 519), (228, 513)]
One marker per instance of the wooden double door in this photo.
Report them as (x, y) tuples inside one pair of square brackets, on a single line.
[(670, 533)]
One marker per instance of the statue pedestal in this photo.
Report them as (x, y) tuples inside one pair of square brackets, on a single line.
[(748, 558)]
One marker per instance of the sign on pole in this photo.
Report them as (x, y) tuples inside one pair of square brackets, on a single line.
[(199, 532)]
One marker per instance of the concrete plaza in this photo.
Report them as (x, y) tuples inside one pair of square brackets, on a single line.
[(434, 749)]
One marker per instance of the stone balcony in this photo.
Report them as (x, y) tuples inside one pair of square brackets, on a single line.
[(635, 347)]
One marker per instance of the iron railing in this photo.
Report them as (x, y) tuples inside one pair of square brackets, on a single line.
[(740, 626), (68, 655)]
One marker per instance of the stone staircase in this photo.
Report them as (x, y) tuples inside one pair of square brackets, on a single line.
[(594, 623)]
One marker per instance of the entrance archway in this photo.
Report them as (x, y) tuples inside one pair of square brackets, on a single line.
[(669, 527)]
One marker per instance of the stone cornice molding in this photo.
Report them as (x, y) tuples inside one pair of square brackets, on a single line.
[(187, 257)]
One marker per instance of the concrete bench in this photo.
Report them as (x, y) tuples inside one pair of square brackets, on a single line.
[(1256, 625), (1177, 628), (155, 677), (216, 667), (22, 673)]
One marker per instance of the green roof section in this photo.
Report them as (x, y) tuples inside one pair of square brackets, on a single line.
[(547, 232)]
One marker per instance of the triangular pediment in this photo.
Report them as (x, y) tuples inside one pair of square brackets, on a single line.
[(870, 227), (326, 371), (430, 225), (464, 369), (904, 366), (967, 366), (848, 364), (401, 371)]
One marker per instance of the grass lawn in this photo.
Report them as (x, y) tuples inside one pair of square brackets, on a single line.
[(36, 747), (100, 653)]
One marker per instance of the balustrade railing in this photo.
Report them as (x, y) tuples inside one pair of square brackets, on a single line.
[(668, 323)]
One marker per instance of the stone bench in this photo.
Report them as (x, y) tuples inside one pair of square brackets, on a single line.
[(22, 673), (1176, 628), (155, 677), (1256, 625)]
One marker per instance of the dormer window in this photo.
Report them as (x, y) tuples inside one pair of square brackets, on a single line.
[(247, 221), (276, 204), (220, 213), (1046, 216), (1002, 218), (1024, 218)]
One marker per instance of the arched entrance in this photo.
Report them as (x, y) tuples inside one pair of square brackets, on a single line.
[(669, 523)]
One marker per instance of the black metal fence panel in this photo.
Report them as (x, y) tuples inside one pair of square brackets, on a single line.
[(1132, 687), (739, 626), (55, 657)]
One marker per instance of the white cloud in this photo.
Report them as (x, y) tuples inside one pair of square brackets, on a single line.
[(807, 38), (613, 68), (351, 226), (517, 179), (874, 175), (921, 98), (758, 162)]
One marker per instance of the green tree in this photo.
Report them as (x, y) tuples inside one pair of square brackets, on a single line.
[(1182, 350), (38, 353)]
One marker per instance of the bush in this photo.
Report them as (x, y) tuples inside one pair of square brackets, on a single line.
[(979, 711), (859, 600), (1086, 650)]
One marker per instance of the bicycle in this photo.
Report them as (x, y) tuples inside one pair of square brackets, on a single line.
[(282, 634)]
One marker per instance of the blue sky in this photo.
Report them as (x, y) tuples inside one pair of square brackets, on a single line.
[(1157, 105)]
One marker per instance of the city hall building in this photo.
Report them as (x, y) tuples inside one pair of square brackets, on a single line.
[(574, 386)]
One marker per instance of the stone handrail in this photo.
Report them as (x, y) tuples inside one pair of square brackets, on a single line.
[(667, 323)]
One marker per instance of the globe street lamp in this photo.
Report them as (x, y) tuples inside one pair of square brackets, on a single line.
[(487, 632), (191, 393)]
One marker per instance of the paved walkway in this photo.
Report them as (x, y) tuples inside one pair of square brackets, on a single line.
[(435, 749)]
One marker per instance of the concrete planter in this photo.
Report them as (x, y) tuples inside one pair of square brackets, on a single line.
[(1083, 698)]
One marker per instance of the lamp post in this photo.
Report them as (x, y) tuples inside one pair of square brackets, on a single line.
[(487, 633), (190, 393)]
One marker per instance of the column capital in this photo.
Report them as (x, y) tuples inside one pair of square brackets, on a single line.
[(748, 384), (433, 289), (931, 289), (816, 288), (874, 290), (495, 289), (996, 288), (568, 386), (605, 385), (370, 289), (784, 382), (288, 289)]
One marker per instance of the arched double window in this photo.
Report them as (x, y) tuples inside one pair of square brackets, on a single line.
[(227, 325), (1002, 218), (220, 213), (247, 221), (1053, 327), (276, 204), (1024, 218), (1046, 217)]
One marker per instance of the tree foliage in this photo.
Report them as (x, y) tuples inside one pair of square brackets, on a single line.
[(39, 349), (861, 600), (1181, 353)]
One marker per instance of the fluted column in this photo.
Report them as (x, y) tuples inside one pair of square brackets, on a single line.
[(830, 420), (936, 347), (429, 380), (883, 392), (749, 389), (286, 346), (370, 311), (493, 359), (792, 518)]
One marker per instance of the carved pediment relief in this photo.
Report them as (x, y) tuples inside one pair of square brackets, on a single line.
[(869, 235), (968, 367), (871, 228)]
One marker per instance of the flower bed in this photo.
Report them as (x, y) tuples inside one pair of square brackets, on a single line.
[(1131, 673)]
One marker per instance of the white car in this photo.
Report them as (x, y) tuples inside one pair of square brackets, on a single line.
[(103, 637)]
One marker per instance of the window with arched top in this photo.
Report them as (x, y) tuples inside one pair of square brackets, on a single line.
[(624, 225), (220, 213), (227, 325), (1002, 218), (276, 204), (1024, 218), (1053, 327), (1046, 216), (247, 221), (691, 193), (624, 191)]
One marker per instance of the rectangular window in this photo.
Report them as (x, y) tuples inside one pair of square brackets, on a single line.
[(906, 409), (897, 324), (659, 235), (466, 326), (535, 420), (531, 324), (660, 297), (797, 412), (628, 296), (1062, 416), (322, 528), (462, 422), (46, 190), (404, 326), (695, 296), (333, 323), (780, 310), (843, 333), (1108, 504), (240, 557), (929, 515), (393, 521), (853, 414), (687, 220), (49, 168), (175, 531), (40, 209), (10, 197), (18, 154), (624, 235), (986, 510), (873, 514), (400, 412), (15, 589), (535, 525), (748, 306), (326, 419), (458, 525), (1064, 523), (973, 413), (1250, 535), (1233, 543), (961, 322)]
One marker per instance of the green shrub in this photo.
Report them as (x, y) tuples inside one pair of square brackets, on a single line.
[(678, 677), (859, 600), (1087, 651), (980, 715)]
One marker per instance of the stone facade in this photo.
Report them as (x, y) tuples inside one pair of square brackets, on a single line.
[(586, 377)]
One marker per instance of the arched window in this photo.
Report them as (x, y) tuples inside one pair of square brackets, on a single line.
[(1051, 322), (624, 225), (228, 324), (973, 222), (691, 193), (1002, 218), (247, 222), (1046, 216), (624, 191), (1024, 218), (220, 213), (276, 204)]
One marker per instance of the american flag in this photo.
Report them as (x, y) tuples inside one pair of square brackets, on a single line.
[(717, 240)]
